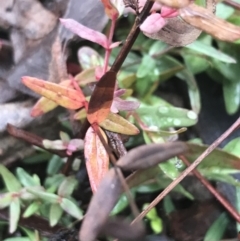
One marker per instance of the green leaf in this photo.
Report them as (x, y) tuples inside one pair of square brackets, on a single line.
[(222, 178), (162, 183), (163, 117), (37, 158), (238, 204), (210, 51), (168, 205), (147, 66), (5, 199), (10, 181), (193, 90), (168, 67), (31, 235), (195, 63), (55, 214), (25, 179), (224, 11), (230, 71), (67, 186), (32, 209), (217, 158), (121, 204), (116, 123), (169, 169), (54, 165), (52, 183), (231, 93), (155, 221), (157, 48), (49, 197), (71, 208), (217, 229), (233, 147), (14, 213)]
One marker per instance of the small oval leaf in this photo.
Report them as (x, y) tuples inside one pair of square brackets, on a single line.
[(71, 208), (14, 214), (55, 214), (116, 123), (10, 181)]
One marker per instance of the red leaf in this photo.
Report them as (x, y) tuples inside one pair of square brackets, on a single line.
[(102, 98), (85, 32), (64, 96), (97, 160)]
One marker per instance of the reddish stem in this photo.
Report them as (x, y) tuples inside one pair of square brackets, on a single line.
[(211, 189), (109, 50), (188, 170)]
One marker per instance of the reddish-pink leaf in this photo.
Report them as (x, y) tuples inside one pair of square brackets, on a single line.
[(167, 12), (115, 44), (97, 160), (85, 32), (64, 96), (110, 9), (153, 23)]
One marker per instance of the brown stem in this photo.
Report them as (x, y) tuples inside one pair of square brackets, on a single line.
[(132, 36), (211, 189), (188, 170), (32, 139)]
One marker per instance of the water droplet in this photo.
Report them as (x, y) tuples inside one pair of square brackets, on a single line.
[(192, 115), (177, 122), (169, 119), (153, 128), (163, 109)]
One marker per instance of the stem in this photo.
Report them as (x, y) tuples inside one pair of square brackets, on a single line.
[(109, 50), (132, 36), (211, 189), (188, 170), (32, 139)]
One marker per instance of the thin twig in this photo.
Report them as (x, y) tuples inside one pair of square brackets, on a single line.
[(188, 170), (32, 139), (232, 4), (211, 189), (131, 38)]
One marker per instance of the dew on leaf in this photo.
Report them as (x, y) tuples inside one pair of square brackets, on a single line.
[(192, 115), (163, 109)]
